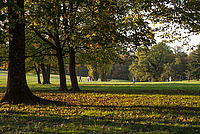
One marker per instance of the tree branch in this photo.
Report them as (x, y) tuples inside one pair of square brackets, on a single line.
[(39, 52), (41, 55), (44, 39)]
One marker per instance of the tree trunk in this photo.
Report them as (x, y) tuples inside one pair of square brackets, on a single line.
[(188, 78), (45, 73), (17, 89), (63, 85), (37, 70), (48, 73), (38, 76), (72, 70), (103, 75), (95, 73)]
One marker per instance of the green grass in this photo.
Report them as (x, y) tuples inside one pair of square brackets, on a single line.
[(107, 107)]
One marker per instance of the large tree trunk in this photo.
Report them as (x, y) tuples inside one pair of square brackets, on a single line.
[(72, 70), (17, 88), (45, 73), (63, 85)]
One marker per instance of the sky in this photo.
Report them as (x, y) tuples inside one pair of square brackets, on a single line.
[(194, 39)]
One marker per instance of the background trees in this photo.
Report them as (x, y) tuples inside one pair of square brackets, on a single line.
[(159, 63), (158, 55), (39, 58), (3, 23), (194, 64), (120, 70), (44, 18), (179, 65), (3, 56)]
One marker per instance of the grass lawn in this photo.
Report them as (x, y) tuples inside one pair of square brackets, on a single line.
[(106, 107)]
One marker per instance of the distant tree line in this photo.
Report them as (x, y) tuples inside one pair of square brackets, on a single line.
[(106, 72), (157, 63), (161, 62)]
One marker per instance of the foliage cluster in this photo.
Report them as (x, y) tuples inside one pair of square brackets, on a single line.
[(194, 64), (159, 63)]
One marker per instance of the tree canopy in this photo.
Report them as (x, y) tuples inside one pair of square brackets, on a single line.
[(158, 63), (194, 64)]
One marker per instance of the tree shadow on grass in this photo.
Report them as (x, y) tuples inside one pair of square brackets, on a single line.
[(129, 91), (138, 89), (144, 89), (81, 123), (149, 89)]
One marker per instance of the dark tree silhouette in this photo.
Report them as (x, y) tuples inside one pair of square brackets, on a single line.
[(17, 88)]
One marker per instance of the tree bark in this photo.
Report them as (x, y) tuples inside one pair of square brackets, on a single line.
[(95, 73), (103, 75), (45, 73), (72, 70), (17, 89), (63, 85), (48, 68), (37, 70)]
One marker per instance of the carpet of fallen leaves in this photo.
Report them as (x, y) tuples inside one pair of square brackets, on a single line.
[(104, 113)]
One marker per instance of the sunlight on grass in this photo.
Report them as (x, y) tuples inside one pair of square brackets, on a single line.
[(106, 107), (93, 112)]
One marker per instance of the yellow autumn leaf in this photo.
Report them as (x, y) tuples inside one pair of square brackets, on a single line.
[(73, 37), (96, 46), (148, 35), (124, 21), (35, 23)]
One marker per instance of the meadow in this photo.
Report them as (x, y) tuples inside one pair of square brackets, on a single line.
[(116, 106)]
